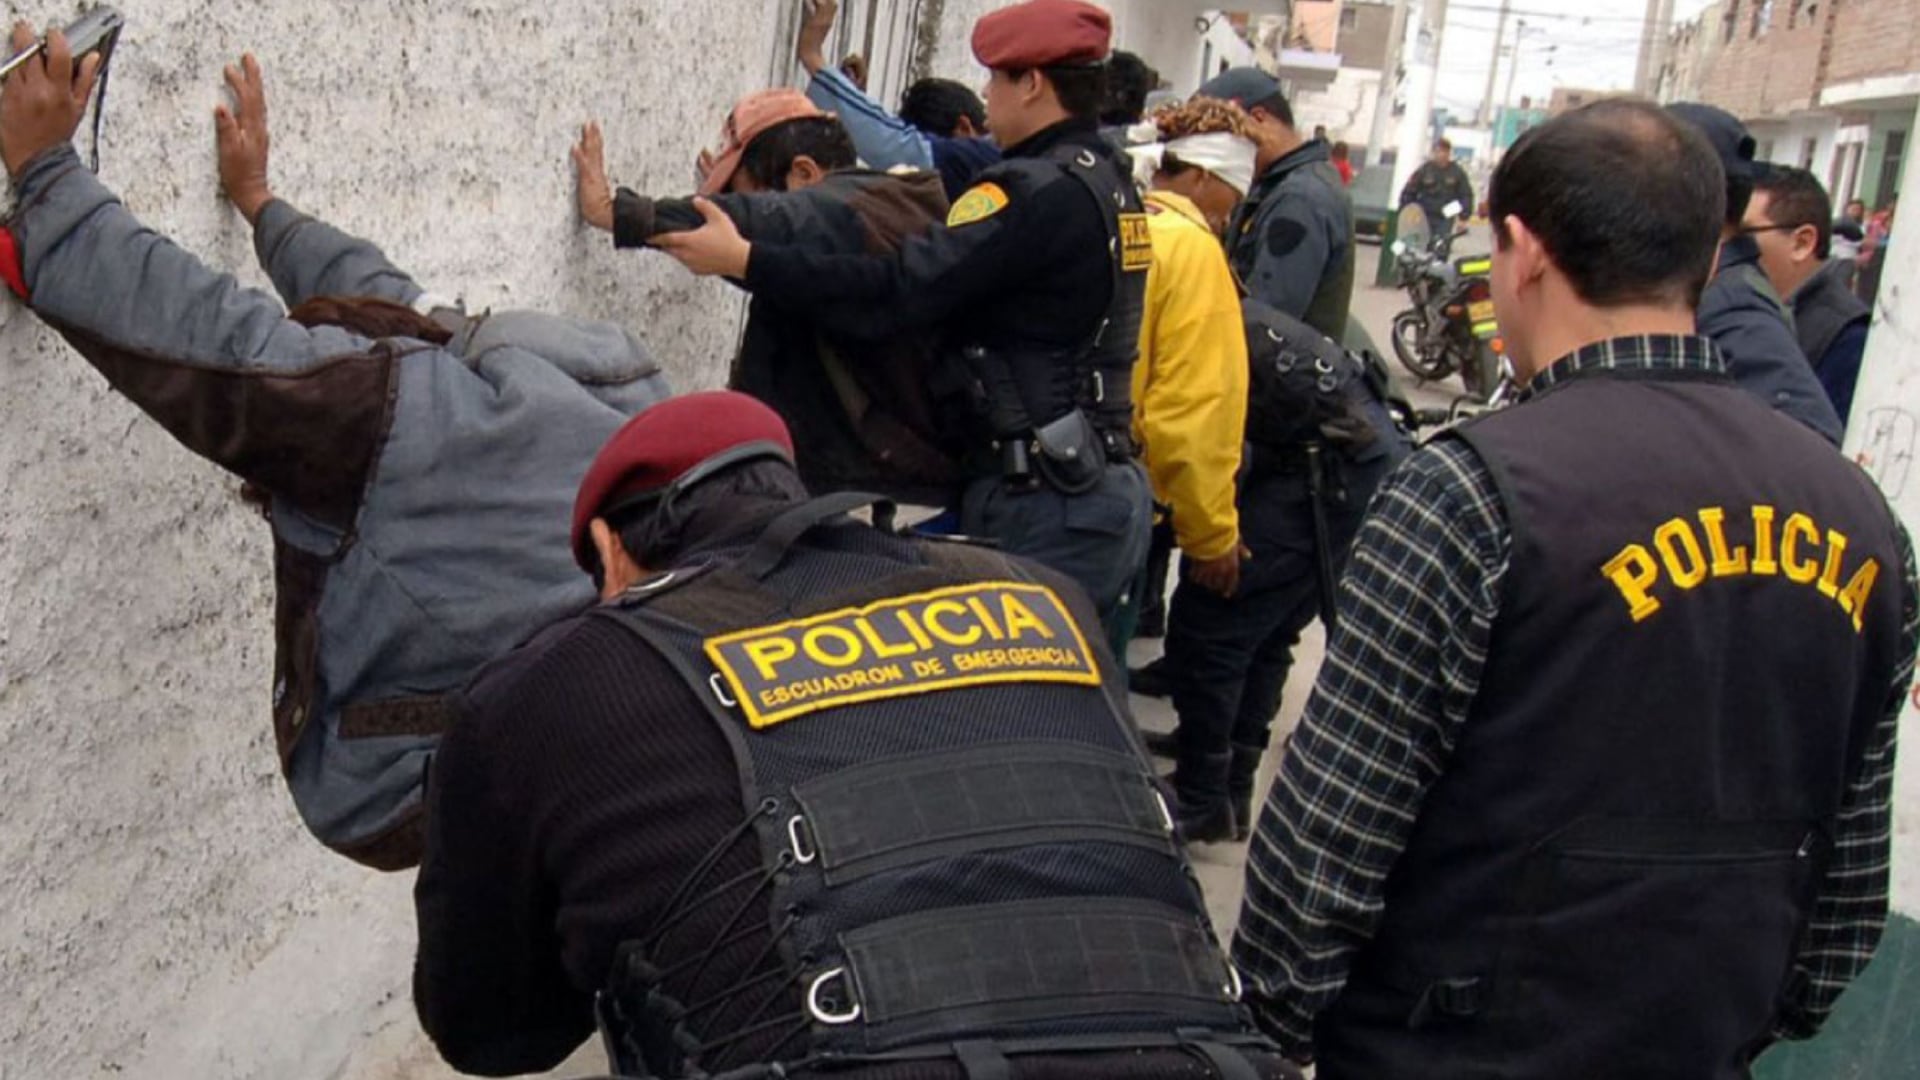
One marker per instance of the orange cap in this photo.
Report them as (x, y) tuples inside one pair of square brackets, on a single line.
[(752, 117)]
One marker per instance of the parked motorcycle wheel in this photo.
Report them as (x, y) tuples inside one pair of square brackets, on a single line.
[(1407, 333)]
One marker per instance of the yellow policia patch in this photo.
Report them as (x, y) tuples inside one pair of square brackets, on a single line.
[(1784, 547), (971, 635), (981, 203), (1136, 242)]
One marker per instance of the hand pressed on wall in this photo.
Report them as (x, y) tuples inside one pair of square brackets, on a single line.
[(44, 99), (818, 25), (596, 193), (241, 132)]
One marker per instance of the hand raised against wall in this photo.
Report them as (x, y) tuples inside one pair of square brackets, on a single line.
[(44, 99), (596, 193), (241, 132)]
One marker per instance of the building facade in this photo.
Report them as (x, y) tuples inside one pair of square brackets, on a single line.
[(1828, 85)]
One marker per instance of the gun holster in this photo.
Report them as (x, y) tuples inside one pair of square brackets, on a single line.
[(1072, 456)]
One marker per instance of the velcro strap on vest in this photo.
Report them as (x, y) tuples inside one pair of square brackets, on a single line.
[(784, 531), (888, 814), (1000, 965)]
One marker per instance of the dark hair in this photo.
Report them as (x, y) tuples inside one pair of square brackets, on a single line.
[(1626, 199), (654, 538), (1129, 80), (1082, 90), (1795, 197), (1340, 151), (935, 106), (1447, 144), (770, 156), (1275, 106)]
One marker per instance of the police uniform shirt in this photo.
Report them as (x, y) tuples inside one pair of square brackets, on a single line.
[(1018, 264), (1421, 598)]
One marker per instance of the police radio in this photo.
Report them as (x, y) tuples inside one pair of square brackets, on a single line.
[(97, 31)]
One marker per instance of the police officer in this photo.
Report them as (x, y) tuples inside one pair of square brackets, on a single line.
[(1740, 310), (1037, 282), (786, 173), (1319, 442), (803, 796), (1597, 777), (1291, 241)]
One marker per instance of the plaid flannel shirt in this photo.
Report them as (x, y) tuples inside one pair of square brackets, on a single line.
[(1417, 605)]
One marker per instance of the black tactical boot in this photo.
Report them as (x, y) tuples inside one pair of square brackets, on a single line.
[(1152, 680), (1164, 744), (1240, 781), (1202, 819), (1207, 824)]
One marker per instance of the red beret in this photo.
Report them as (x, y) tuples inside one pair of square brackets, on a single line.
[(1043, 33), (661, 446)]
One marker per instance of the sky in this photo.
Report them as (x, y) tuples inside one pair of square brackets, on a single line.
[(1590, 44)]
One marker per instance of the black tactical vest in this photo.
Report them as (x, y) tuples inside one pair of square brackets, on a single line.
[(1696, 637), (1305, 388), (1823, 309), (965, 854), (1034, 394)]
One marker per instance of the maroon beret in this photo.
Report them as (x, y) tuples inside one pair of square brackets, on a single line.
[(1043, 33), (664, 445)]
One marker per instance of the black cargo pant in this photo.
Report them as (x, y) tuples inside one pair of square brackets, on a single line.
[(1228, 658), (1098, 538)]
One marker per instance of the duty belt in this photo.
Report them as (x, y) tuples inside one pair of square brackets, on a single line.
[(1069, 455)]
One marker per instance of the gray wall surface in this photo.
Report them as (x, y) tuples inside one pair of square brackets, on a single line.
[(162, 913)]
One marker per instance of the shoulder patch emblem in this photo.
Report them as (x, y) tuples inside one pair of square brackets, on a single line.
[(948, 639), (979, 204)]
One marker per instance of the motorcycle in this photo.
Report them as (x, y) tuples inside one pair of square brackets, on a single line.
[(1451, 326)]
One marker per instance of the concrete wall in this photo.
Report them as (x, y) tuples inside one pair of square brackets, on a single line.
[(162, 915)]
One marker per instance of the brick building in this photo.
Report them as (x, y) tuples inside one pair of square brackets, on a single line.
[(1829, 85)]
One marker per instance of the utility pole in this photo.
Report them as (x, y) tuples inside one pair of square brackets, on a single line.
[(1655, 33), (1519, 35), (1389, 82), (1493, 68), (1422, 74)]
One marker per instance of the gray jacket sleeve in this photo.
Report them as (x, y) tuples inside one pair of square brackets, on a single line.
[(1291, 244), (301, 412), (1762, 354), (307, 257)]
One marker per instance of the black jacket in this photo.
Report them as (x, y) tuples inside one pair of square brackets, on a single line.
[(1747, 320), (1291, 241), (1029, 269), (860, 408)]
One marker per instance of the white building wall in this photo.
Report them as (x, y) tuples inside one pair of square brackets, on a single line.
[(162, 914)]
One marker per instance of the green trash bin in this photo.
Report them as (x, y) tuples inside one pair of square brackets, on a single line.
[(1385, 275)]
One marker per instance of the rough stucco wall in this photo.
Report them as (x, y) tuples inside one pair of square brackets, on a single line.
[(162, 914)]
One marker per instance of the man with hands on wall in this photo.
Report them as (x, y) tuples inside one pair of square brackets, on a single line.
[(417, 465)]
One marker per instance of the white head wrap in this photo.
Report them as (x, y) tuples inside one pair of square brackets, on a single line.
[(1227, 156)]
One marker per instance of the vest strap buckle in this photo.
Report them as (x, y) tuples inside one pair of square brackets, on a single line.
[(837, 1010)]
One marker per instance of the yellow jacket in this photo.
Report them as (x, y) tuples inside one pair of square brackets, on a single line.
[(1190, 386)]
